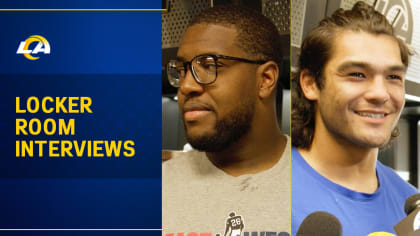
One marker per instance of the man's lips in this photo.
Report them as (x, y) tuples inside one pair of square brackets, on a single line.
[(195, 106), (374, 116), (193, 111)]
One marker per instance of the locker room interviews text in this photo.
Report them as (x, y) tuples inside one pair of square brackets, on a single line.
[(65, 129)]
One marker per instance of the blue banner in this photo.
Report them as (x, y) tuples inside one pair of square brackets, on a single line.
[(80, 102)]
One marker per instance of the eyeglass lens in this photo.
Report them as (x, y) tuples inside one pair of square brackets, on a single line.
[(175, 71), (204, 70)]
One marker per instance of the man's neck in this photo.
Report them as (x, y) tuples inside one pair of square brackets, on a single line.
[(344, 163), (254, 152)]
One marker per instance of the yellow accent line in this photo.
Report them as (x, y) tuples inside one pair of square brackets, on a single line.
[(83, 9), (76, 229)]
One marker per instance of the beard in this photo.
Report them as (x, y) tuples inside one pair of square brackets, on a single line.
[(227, 130)]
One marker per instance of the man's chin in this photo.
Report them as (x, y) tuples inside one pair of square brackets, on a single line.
[(203, 143), (375, 142), (197, 130), (199, 138)]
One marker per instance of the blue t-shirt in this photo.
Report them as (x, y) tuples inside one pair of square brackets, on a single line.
[(359, 213)]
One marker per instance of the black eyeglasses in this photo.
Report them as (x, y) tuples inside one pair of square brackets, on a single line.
[(203, 68)]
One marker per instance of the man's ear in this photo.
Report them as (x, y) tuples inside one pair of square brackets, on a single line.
[(308, 85), (267, 75)]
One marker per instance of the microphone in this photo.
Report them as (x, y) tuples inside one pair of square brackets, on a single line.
[(410, 225), (320, 223)]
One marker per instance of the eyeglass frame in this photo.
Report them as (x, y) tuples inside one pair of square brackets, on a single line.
[(216, 57)]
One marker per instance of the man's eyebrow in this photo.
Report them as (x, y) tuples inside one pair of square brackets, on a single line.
[(397, 68), (180, 58), (351, 64)]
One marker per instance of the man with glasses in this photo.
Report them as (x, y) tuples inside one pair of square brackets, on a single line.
[(226, 71)]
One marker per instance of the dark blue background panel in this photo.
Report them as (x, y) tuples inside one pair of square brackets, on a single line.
[(124, 107), (114, 58), (83, 42), (80, 203), (90, 4)]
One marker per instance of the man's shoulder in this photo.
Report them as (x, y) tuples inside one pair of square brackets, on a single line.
[(184, 161), (393, 181), (299, 164), (191, 166), (178, 157)]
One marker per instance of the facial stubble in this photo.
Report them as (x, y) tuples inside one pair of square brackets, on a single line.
[(227, 130)]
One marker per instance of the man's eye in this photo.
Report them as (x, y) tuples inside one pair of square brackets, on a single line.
[(209, 66), (357, 75), (394, 77)]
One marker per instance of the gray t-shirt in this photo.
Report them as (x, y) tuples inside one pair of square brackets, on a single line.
[(200, 198)]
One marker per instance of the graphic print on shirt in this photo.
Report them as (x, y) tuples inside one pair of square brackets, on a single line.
[(234, 225)]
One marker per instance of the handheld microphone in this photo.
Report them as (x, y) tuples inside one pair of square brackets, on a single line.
[(320, 223), (410, 225)]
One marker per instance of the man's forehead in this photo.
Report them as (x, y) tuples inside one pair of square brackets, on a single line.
[(359, 47), (208, 39)]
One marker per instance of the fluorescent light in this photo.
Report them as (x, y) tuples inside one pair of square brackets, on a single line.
[(412, 98), (405, 175)]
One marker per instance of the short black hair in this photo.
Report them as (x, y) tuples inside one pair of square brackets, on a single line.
[(257, 35)]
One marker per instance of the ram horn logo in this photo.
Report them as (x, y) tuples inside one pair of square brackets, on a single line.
[(42, 46), (399, 14)]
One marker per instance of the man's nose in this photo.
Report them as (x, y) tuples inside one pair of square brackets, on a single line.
[(189, 86), (378, 91)]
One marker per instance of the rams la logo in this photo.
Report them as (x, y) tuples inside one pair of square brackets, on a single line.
[(42, 46)]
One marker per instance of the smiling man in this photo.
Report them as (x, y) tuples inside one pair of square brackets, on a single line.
[(348, 98), (226, 72)]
